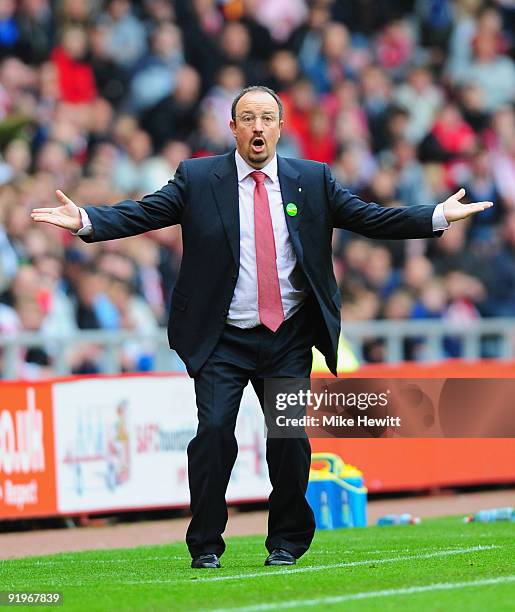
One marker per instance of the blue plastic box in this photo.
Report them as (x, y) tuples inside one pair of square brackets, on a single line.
[(336, 493)]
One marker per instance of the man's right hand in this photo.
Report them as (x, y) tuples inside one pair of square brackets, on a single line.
[(66, 216)]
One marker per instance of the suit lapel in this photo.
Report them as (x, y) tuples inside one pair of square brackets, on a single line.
[(291, 194), (224, 182)]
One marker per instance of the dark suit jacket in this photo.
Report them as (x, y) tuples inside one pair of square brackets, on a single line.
[(203, 198)]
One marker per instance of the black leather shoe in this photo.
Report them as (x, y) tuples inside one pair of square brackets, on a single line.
[(279, 556), (205, 561)]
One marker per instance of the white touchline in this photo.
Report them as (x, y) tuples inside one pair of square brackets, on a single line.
[(441, 586), (317, 568), (166, 559), (66, 561)]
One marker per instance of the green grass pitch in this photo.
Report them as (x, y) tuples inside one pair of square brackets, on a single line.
[(441, 564)]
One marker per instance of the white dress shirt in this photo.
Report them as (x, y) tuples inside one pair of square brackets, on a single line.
[(243, 311)]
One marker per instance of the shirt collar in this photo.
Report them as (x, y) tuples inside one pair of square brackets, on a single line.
[(244, 169)]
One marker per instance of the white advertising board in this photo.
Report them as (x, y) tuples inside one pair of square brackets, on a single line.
[(120, 443)]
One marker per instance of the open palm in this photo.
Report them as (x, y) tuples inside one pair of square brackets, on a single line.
[(66, 216), (454, 210)]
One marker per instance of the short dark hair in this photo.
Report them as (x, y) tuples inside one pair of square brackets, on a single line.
[(256, 88)]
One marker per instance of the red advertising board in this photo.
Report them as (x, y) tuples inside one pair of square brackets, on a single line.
[(27, 467), (415, 464)]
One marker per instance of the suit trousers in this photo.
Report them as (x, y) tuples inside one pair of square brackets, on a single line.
[(244, 355)]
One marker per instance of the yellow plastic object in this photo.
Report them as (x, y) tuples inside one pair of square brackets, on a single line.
[(350, 471), (315, 475), (347, 361), (335, 469), (332, 462)]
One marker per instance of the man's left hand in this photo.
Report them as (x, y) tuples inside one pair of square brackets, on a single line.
[(454, 210)]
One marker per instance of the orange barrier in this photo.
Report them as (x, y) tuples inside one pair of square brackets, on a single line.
[(411, 464), (453, 368), (27, 462), (402, 464)]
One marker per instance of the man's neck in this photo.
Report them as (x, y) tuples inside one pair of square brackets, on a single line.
[(244, 168)]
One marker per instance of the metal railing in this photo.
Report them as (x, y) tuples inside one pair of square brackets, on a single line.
[(111, 343), (428, 334), (431, 334)]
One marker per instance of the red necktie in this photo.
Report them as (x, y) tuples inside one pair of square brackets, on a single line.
[(270, 306)]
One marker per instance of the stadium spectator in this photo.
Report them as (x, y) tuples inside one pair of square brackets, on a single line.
[(36, 26), (75, 75), (235, 45), (175, 116), (354, 166), (284, 70), (128, 169), (422, 99), (493, 72), (202, 24), (110, 78), (127, 36), (501, 143), (319, 142), (395, 48), (155, 74), (332, 62), (219, 98), (412, 184), (500, 283), (279, 16), (157, 12), (9, 28)]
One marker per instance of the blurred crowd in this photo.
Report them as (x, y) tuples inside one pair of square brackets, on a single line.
[(406, 100)]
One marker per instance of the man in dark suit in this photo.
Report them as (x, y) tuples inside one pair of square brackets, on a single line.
[(255, 292)]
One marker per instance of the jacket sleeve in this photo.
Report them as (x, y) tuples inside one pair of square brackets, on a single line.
[(130, 217), (375, 221)]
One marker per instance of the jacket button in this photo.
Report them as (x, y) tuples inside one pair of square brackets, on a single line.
[(234, 277), (225, 313)]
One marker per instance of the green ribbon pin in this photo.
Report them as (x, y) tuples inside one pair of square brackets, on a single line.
[(291, 209)]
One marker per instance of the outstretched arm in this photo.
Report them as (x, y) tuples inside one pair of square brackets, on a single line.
[(128, 218), (375, 221)]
